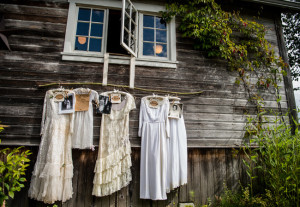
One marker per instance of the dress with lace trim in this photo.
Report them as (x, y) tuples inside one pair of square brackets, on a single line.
[(112, 170)]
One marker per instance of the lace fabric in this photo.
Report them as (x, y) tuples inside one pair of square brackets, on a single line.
[(53, 171), (112, 169)]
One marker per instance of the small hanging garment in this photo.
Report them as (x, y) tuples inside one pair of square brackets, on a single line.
[(112, 170), (154, 131), (177, 151), (53, 171), (82, 138)]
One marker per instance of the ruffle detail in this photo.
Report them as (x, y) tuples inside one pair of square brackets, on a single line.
[(54, 182), (110, 174), (111, 187), (113, 159), (113, 172)]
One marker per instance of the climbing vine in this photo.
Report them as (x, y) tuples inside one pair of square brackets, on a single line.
[(239, 41)]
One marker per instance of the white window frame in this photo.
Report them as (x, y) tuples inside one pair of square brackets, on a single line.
[(69, 54)]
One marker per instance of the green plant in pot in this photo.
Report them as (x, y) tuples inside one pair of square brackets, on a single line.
[(13, 164)]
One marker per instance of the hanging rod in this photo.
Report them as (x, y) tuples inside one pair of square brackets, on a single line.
[(123, 86)]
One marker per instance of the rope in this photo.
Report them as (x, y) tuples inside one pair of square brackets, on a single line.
[(124, 86)]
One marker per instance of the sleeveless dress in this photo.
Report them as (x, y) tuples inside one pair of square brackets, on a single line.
[(53, 171), (82, 138), (112, 170), (154, 130)]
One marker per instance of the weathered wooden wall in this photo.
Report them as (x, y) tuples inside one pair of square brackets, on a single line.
[(208, 171), (214, 120)]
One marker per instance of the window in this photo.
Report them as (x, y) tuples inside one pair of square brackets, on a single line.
[(121, 28), (154, 42), (89, 32)]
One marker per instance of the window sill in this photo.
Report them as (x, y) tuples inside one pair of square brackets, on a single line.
[(118, 60)]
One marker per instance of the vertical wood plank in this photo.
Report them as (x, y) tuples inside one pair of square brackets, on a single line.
[(105, 69), (220, 171), (196, 184), (189, 194), (203, 175), (122, 196), (134, 187), (132, 72), (210, 176)]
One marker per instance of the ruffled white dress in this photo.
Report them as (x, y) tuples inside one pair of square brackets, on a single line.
[(154, 130), (82, 138), (177, 154), (112, 170), (53, 171)]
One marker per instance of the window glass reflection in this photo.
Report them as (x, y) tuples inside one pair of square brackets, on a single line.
[(97, 16), (148, 48), (161, 36), (82, 28), (97, 30), (81, 43), (161, 50), (95, 45), (148, 21), (148, 35), (160, 23), (84, 14)]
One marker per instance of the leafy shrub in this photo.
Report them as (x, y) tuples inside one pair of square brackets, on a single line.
[(12, 171)]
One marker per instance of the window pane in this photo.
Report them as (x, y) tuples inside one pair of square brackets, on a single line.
[(161, 50), (161, 36), (95, 45), (132, 43), (82, 29), (148, 21), (148, 35), (126, 22), (133, 14), (84, 14), (160, 23), (81, 43), (148, 48), (126, 37), (97, 16), (97, 30)]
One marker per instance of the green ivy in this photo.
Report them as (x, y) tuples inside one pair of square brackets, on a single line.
[(228, 36)]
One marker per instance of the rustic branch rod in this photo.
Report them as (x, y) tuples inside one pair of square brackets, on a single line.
[(123, 86)]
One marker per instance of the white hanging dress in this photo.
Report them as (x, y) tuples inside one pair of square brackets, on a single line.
[(177, 154), (154, 130), (112, 170), (82, 138), (53, 171)]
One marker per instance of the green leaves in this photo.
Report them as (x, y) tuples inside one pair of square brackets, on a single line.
[(11, 171)]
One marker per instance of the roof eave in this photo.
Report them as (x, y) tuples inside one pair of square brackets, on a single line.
[(284, 5)]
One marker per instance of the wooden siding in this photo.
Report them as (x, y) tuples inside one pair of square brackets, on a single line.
[(208, 171), (214, 118)]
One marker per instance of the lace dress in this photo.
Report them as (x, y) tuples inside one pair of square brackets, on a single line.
[(154, 130), (82, 138), (112, 170), (53, 171)]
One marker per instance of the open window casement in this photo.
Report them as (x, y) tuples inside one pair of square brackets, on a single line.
[(129, 27)]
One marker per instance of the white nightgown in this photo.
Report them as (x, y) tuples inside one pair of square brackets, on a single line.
[(112, 170), (82, 138), (177, 154), (53, 171), (154, 130)]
